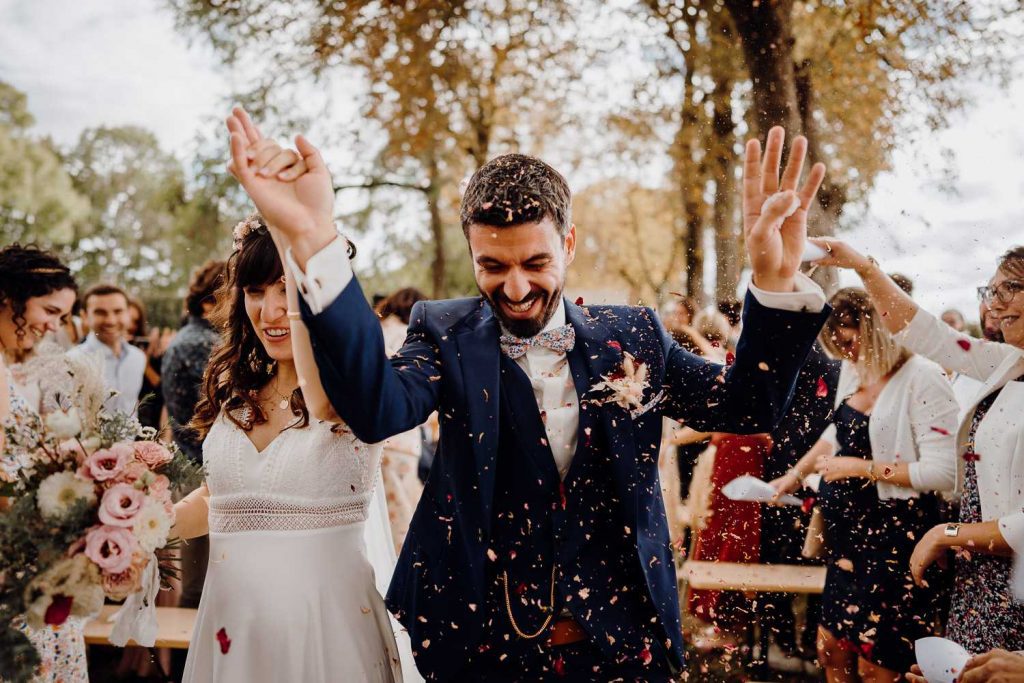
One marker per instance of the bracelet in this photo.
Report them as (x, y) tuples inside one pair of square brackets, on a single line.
[(294, 315), (798, 474), (871, 472)]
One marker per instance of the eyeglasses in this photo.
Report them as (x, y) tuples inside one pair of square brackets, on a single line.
[(1004, 291)]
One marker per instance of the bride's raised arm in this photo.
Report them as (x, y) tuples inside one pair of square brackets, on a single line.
[(317, 403)]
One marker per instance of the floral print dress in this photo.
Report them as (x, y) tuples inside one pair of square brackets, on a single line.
[(61, 648), (983, 614)]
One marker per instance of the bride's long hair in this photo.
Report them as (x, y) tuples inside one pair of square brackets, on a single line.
[(239, 366)]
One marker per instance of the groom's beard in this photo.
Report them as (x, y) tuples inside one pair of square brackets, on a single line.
[(525, 327)]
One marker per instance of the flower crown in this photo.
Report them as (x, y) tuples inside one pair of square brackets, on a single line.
[(250, 225)]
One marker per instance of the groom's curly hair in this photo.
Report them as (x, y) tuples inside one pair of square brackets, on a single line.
[(514, 189)]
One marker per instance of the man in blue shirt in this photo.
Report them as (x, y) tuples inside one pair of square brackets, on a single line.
[(105, 310)]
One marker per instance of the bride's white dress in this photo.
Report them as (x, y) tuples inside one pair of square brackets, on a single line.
[(290, 593)]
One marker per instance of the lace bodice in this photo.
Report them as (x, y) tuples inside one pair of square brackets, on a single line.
[(310, 478)]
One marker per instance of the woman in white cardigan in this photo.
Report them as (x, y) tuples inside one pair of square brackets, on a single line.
[(888, 447), (989, 442)]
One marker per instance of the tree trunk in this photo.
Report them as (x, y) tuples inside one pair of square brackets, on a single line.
[(438, 265), (824, 218), (764, 31), (728, 236), (690, 174)]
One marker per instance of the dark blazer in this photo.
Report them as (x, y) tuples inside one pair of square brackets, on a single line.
[(450, 363)]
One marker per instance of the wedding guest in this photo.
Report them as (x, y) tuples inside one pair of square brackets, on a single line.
[(784, 527), (903, 282), (679, 312), (954, 319), (106, 313), (965, 387), (714, 328), (401, 456), (733, 312), (71, 331), (989, 443), (153, 343), (892, 438), (36, 292)]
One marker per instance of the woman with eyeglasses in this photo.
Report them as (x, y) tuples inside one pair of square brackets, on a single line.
[(990, 445)]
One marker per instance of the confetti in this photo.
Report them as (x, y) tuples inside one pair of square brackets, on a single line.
[(940, 430), (225, 642), (615, 345), (963, 344), (822, 391), (971, 456), (579, 301), (730, 357)]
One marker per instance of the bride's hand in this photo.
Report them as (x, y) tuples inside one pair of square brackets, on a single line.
[(841, 255), (292, 190)]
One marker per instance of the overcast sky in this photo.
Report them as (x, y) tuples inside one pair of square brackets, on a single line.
[(86, 63)]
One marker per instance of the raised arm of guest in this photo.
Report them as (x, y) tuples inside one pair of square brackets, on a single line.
[(919, 330)]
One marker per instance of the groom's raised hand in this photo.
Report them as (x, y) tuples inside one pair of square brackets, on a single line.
[(292, 190), (775, 211)]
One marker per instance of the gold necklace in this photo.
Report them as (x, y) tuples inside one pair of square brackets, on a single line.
[(285, 400), (550, 610)]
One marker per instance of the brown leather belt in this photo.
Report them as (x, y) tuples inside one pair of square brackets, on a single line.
[(566, 631)]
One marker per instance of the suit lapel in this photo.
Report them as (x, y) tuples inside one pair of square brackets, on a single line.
[(601, 353), (479, 361)]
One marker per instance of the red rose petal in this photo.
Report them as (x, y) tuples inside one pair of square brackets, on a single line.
[(59, 609), (615, 345), (963, 344), (561, 493), (866, 649), (645, 656), (808, 504), (822, 391), (579, 301), (559, 665), (225, 642), (971, 456), (940, 430), (730, 358)]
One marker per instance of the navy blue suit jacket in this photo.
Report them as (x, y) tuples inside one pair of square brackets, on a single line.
[(450, 363)]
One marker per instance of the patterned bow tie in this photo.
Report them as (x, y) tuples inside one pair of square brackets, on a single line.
[(560, 339)]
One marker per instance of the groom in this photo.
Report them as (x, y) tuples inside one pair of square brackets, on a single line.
[(540, 548)]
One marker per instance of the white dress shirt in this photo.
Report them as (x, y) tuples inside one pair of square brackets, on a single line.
[(328, 273)]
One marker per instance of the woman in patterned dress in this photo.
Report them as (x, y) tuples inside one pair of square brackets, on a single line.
[(990, 445), (37, 292)]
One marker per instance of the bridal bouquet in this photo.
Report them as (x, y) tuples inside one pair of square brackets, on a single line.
[(89, 506)]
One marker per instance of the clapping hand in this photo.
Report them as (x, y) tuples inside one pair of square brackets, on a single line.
[(292, 189), (775, 211), (841, 255)]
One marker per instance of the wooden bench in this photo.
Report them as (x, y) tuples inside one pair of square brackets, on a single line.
[(762, 578), (174, 627)]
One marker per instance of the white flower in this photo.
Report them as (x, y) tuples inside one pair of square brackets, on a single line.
[(627, 386), (152, 525), (63, 424), (60, 491)]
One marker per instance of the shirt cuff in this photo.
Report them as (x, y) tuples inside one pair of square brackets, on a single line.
[(808, 297), (327, 273)]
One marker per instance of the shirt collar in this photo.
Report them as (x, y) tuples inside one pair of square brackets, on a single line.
[(93, 342)]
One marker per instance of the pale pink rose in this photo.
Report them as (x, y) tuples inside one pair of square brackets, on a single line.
[(160, 488), (152, 453), (121, 504), (110, 548), (119, 586), (132, 472), (108, 463)]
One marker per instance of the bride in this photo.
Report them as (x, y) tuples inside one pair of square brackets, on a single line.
[(290, 592)]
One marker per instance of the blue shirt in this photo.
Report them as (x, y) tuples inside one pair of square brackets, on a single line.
[(122, 373)]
